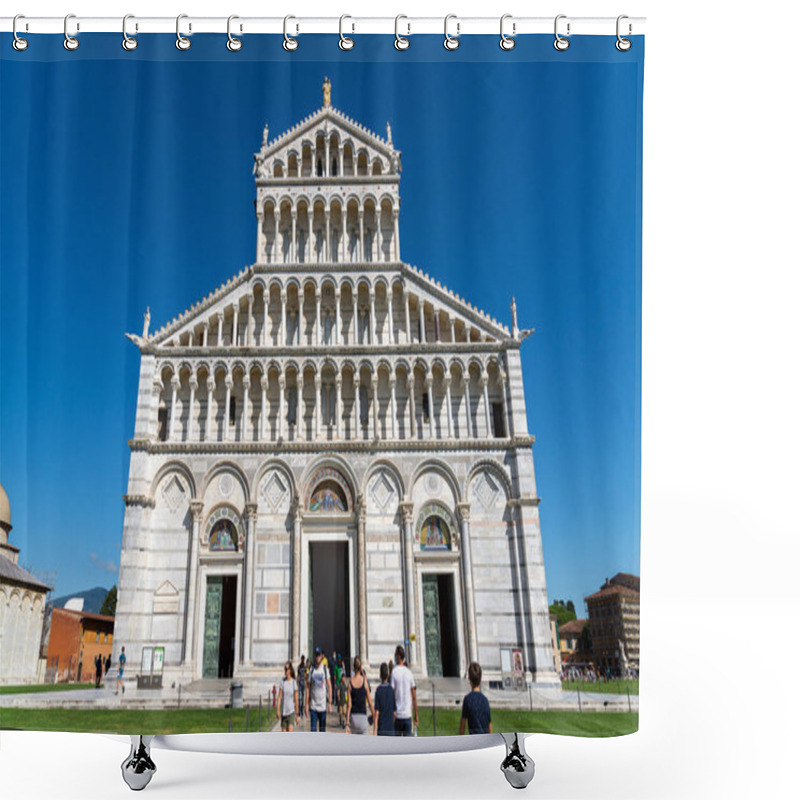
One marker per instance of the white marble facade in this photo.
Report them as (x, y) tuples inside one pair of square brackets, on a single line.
[(332, 393)]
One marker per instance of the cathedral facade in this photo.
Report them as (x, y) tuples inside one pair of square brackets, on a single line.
[(331, 449)]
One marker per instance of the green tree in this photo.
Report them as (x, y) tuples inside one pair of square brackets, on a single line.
[(109, 607), (562, 612), (570, 606)]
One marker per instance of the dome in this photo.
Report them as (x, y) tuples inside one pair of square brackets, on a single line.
[(5, 509)]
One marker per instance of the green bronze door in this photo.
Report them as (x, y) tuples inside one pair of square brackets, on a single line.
[(211, 629), (433, 639)]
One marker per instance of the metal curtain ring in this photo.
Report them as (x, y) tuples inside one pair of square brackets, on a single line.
[(451, 42), (128, 42), (70, 42), (401, 42), (507, 42), (560, 43), (181, 42), (289, 44), (233, 44), (345, 42), (622, 44), (19, 43)]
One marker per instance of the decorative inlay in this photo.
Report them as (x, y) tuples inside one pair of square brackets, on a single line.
[(330, 480), (382, 491), (487, 490), (274, 490), (434, 526), (224, 531), (433, 483), (226, 485), (173, 493)]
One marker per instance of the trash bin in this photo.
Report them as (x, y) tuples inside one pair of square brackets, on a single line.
[(236, 694)]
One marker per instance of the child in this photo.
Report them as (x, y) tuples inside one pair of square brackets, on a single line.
[(475, 710)]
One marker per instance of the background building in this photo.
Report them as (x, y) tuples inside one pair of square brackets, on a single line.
[(331, 448), (22, 604), (76, 637), (614, 624)]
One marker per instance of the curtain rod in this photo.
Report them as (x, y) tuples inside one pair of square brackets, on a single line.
[(297, 25)]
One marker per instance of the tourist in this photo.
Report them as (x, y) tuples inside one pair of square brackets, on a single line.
[(287, 698), (475, 710), (98, 670), (302, 670), (121, 670), (108, 663), (358, 698), (341, 701), (319, 692), (405, 695), (385, 706)]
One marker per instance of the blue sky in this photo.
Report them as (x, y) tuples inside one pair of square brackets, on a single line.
[(126, 182)]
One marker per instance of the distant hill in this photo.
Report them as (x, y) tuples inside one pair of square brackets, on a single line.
[(92, 599)]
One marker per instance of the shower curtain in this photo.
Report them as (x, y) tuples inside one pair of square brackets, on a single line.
[(320, 385)]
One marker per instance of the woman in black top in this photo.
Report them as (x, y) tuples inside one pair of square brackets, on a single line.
[(357, 700), (385, 706)]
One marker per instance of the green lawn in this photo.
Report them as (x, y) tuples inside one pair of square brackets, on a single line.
[(608, 687), (35, 688), (215, 720)]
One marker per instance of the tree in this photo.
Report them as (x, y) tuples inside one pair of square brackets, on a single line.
[(562, 612), (109, 607), (585, 640), (571, 606)]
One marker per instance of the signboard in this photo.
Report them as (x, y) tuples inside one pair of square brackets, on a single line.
[(152, 668), (512, 668), (158, 660)]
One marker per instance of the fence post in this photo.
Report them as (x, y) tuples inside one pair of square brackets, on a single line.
[(259, 713), (629, 699), (579, 698), (530, 694), (433, 687), (179, 697), (247, 718), (230, 722)]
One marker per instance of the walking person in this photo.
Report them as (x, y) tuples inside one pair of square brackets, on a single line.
[(108, 664), (302, 671), (319, 692), (287, 698), (405, 695), (358, 698), (385, 706), (475, 710), (98, 670), (121, 670)]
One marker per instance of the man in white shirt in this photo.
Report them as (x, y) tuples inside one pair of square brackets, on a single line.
[(405, 695), (319, 692)]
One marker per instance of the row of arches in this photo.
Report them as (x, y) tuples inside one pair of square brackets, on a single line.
[(21, 615), (329, 401), (328, 230), (333, 312)]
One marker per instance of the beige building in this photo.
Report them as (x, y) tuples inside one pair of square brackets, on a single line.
[(331, 448), (22, 603)]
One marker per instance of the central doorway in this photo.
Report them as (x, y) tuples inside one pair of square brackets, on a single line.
[(219, 635), (441, 631), (329, 600)]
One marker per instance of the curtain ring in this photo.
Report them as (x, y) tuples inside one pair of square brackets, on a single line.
[(401, 42), (560, 43), (70, 42), (233, 44), (451, 42), (19, 44), (345, 42), (181, 42), (623, 44), (507, 42), (128, 42), (289, 44)]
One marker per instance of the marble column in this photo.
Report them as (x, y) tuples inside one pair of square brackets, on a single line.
[(373, 322), (501, 383), (361, 256), (301, 422), (448, 400), (193, 385), (429, 390), (235, 325), (408, 594), (158, 387), (250, 516), (327, 155), (297, 531), (226, 421), (338, 406), (317, 404), (485, 391), (205, 333), (282, 338), (303, 316), (281, 407), (261, 246), (293, 242), (262, 423), (337, 330), (393, 406), (357, 434), (173, 408), (390, 316), (277, 244), (375, 420), (328, 256), (411, 416), (220, 328), (209, 398), (362, 580), (196, 508), (396, 217), (248, 331), (245, 406), (423, 334), (452, 329), (409, 338), (466, 571), (310, 246)]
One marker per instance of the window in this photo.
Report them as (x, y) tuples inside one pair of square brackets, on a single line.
[(319, 168), (335, 168), (426, 408), (232, 412), (498, 423), (162, 424)]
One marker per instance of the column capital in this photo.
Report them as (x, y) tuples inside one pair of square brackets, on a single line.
[(407, 508), (463, 510), (300, 383), (428, 382), (338, 381), (251, 512), (205, 324), (410, 381), (175, 383), (448, 379), (283, 295), (228, 382), (483, 381), (158, 386), (356, 380), (282, 382), (392, 381), (318, 381), (246, 381), (196, 507), (193, 383)]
